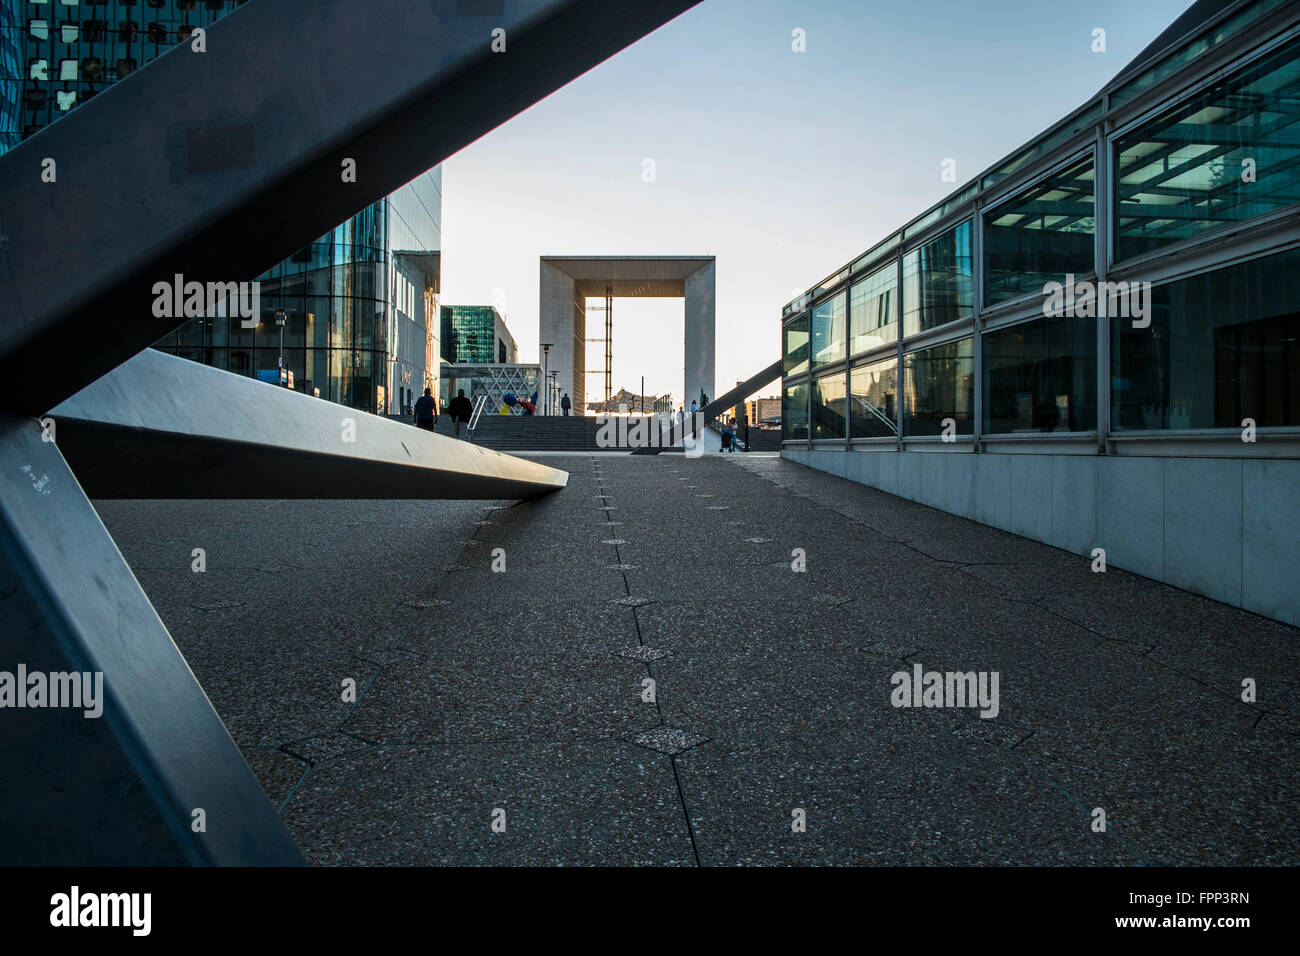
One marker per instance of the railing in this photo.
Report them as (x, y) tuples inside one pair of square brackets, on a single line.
[(473, 418)]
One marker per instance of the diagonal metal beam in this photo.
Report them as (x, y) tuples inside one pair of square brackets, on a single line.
[(120, 788), (159, 426), (216, 165)]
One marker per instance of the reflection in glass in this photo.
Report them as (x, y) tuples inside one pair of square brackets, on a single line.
[(828, 330), (873, 309), (937, 281), (794, 412), (939, 384), (1225, 155), (1222, 347), (829, 412), (795, 337), (1041, 376), (1040, 236), (873, 397)]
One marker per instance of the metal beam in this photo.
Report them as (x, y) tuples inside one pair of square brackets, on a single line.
[(165, 427), (217, 165), (120, 788)]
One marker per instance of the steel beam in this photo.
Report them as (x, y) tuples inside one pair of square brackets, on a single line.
[(160, 426), (120, 788), (216, 165)]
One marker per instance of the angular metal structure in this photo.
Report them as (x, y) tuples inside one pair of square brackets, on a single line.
[(164, 427), (212, 166)]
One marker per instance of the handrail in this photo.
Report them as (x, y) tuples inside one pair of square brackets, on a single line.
[(474, 417)]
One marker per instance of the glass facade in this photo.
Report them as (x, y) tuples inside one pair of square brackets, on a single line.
[(938, 282), (828, 409), (794, 412), (475, 333), (829, 327), (11, 85), (939, 384), (873, 400), (795, 345), (873, 310), (359, 303), (1042, 235), (1223, 347), (1225, 155), (1041, 376), (1198, 342)]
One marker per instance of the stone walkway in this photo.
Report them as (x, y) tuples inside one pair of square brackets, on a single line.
[(518, 695)]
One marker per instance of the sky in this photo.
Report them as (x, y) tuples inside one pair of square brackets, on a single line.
[(784, 165)]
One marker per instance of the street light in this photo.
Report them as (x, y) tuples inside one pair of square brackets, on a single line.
[(280, 318), (546, 356)]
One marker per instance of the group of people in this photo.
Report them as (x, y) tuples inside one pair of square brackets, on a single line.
[(460, 408), (426, 411)]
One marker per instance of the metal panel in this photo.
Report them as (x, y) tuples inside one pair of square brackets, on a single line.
[(119, 788), (165, 427)]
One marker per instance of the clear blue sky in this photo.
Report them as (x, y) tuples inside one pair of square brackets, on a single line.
[(784, 165)]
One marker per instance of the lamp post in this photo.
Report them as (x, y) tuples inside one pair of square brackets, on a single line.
[(280, 318), (546, 357)]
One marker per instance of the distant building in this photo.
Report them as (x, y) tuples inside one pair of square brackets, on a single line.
[(765, 412), (494, 381), (476, 334)]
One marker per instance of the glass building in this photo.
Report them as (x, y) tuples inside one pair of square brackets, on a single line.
[(11, 86), (476, 333), (358, 305), (1125, 289)]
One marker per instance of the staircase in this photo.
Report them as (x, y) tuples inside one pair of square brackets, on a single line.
[(531, 432)]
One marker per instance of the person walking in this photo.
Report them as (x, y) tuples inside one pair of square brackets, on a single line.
[(461, 410), (565, 404), (426, 410)]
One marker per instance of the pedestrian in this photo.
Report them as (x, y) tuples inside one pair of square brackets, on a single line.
[(693, 408), (426, 410), (460, 409), (565, 404)]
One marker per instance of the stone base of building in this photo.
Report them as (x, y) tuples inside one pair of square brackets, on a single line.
[(1225, 528)]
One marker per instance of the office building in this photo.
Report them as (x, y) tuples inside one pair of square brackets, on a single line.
[(476, 334), (1096, 342)]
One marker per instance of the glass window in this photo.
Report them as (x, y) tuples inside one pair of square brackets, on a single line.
[(1222, 347), (937, 281), (874, 310), (1225, 155), (794, 412), (1040, 236), (873, 397), (1041, 376), (939, 384), (829, 412), (828, 330)]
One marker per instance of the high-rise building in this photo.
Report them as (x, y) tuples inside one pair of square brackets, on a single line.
[(352, 317), (476, 334)]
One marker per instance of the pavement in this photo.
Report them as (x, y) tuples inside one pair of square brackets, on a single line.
[(506, 716)]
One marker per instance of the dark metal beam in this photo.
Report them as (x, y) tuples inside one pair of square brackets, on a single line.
[(217, 165), (159, 426), (121, 788)]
